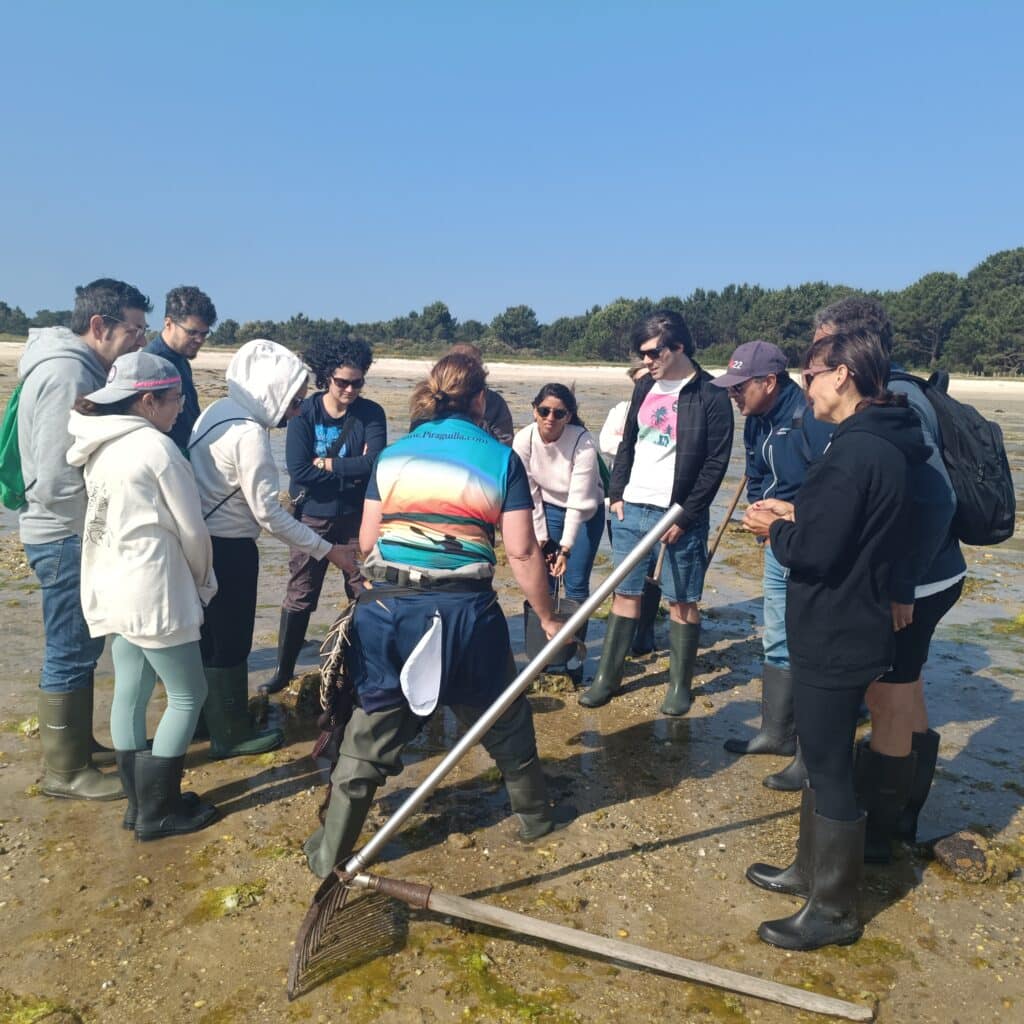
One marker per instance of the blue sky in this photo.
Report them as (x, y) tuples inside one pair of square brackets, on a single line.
[(361, 160)]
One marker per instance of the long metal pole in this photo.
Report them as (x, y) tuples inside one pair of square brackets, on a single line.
[(365, 856)]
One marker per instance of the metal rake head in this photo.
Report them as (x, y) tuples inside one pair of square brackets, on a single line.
[(343, 929)]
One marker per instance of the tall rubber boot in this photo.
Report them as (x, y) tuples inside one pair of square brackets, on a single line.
[(617, 640), (334, 841), (883, 788), (777, 734), (126, 771), (926, 746), (528, 795), (829, 917), (684, 639), (232, 733), (100, 754), (291, 635), (650, 601), (796, 878), (792, 778), (161, 809), (65, 729)]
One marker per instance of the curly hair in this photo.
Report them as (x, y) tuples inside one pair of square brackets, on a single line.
[(452, 384), (187, 300), (324, 356)]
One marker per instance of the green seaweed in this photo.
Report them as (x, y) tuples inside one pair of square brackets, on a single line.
[(15, 1009), (225, 900)]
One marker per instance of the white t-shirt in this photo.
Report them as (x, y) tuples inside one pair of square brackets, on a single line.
[(654, 457)]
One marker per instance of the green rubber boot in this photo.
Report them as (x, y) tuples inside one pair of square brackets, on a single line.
[(684, 639), (617, 641), (65, 729), (528, 794), (232, 733), (334, 841)]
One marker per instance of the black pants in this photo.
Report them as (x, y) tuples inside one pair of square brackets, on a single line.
[(306, 573), (826, 723), (226, 636)]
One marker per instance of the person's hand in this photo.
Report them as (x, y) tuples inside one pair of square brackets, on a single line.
[(618, 509), (344, 557), (551, 625), (902, 615), (672, 534), (781, 509), (558, 566)]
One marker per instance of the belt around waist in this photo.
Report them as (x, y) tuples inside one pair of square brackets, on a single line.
[(417, 581)]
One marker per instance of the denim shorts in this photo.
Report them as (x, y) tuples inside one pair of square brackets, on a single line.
[(686, 561)]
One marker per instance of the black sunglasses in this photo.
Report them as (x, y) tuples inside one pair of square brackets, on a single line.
[(545, 411), (343, 382), (654, 353)]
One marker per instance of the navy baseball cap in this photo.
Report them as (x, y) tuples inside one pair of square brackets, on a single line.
[(752, 359)]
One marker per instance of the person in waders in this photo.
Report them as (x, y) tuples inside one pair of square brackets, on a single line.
[(675, 449), (429, 629), (147, 573), (840, 538), (781, 437), (238, 484), (895, 767), (330, 449)]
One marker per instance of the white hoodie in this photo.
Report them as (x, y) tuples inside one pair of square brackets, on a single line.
[(147, 563), (231, 455)]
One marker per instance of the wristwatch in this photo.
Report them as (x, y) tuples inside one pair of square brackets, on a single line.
[(320, 464), (564, 552)]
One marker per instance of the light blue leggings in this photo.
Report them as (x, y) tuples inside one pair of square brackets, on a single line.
[(135, 672)]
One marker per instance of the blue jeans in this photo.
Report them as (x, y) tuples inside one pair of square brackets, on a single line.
[(776, 649), (581, 561), (70, 655), (686, 561)]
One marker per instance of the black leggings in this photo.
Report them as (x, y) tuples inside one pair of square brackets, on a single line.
[(826, 722), (226, 636)]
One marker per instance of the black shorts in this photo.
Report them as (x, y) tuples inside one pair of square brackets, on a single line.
[(912, 643)]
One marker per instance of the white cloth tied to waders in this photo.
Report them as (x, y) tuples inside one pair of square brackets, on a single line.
[(421, 674)]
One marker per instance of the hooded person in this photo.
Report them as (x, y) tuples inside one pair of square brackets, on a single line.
[(147, 572), (840, 538), (238, 483)]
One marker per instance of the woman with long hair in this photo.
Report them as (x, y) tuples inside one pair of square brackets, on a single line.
[(840, 538), (330, 449), (430, 629), (561, 463), (147, 573)]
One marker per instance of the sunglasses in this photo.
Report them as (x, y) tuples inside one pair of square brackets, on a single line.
[(809, 375), (544, 411), (653, 353), (344, 382)]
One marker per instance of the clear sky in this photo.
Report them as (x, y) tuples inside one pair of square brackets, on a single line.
[(361, 160)]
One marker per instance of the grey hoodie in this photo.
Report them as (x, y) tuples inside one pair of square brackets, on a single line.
[(56, 368)]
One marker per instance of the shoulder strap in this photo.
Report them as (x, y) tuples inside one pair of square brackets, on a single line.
[(339, 441), (219, 423)]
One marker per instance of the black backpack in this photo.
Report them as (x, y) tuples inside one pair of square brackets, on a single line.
[(975, 458)]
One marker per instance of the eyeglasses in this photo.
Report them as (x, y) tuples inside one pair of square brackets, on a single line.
[(809, 375), (194, 333), (544, 411), (653, 353), (136, 329), (344, 382)]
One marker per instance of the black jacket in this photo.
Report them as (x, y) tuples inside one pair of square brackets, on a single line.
[(182, 429), (704, 426), (852, 521), (341, 491)]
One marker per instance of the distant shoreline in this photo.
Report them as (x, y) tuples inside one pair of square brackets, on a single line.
[(506, 373)]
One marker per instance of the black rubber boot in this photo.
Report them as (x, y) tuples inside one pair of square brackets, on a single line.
[(777, 734), (334, 841), (126, 770), (528, 795), (643, 641), (232, 732), (65, 730), (684, 639), (926, 746), (102, 756), (829, 917), (162, 811), (617, 641), (883, 788), (291, 635), (795, 879), (792, 778)]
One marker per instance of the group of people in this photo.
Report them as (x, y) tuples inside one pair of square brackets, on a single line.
[(142, 517)]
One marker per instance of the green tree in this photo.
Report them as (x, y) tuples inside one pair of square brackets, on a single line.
[(12, 320), (1000, 270), (608, 331), (436, 324), (225, 334), (51, 318), (924, 315), (517, 327)]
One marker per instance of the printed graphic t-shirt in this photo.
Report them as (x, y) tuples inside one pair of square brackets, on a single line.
[(442, 489), (326, 431), (654, 458)]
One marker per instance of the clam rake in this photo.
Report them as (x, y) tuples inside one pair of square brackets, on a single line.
[(356, 917)]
